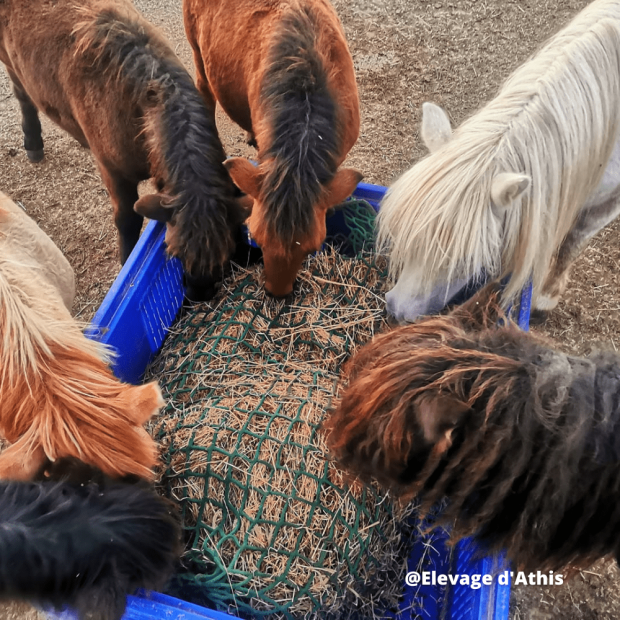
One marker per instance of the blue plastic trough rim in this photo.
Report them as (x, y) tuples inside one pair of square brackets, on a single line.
[(116, 324)]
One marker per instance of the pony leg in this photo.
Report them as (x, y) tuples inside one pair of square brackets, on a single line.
[(591, 220), (31, 125), (124, 195)]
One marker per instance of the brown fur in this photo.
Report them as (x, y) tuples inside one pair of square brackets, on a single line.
[(104, 74), (520, 438), (74, 406), (58, 397), (273, 66)]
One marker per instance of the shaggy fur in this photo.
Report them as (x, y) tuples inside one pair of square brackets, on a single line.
[(305, 130), (294, 92), (80, 539), (104, 74), (438, 219), (521, 439), (59, 397)]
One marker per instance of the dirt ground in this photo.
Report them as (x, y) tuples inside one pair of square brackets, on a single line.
[(453, 52)]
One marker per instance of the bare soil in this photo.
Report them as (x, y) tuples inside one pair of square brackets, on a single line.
[(453, 52)]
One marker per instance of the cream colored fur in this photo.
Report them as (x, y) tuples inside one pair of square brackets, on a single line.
[(555, 121), (58, 395), (37, 288)]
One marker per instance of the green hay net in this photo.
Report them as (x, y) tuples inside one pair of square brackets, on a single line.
[(273, 529)]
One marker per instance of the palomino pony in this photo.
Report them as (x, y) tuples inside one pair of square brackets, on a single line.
[(284, 73), (80, 539), (521, 439), (59, 397), (104, 74), (519, 188)]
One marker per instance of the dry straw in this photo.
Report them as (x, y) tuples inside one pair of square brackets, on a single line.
[(274, 529)]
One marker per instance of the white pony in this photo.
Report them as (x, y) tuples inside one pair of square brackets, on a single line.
[(519, 188)]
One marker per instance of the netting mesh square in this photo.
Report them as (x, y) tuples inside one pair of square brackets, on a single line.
[(273, 528)]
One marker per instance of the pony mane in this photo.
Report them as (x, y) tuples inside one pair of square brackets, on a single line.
[(28, 335), (556, 119), (85, 541), (74, 406), (303, 115)]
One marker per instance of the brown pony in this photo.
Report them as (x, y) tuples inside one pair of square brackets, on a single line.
[(521, 439), (104, 74), (58, 397), (283, 72)]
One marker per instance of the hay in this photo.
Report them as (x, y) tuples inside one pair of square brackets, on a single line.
[(273, 528)]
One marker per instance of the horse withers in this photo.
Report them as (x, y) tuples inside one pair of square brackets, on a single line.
[(283, 72), (519, 188), (104, 74), (59, 397)]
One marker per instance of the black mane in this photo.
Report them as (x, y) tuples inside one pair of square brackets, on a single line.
[(84, 540), (304, 126)]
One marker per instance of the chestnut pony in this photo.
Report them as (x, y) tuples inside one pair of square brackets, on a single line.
[(284, 73), (99, 70), (58, 396)]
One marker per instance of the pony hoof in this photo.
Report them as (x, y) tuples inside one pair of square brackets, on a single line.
[(538, 317), (35, 156)]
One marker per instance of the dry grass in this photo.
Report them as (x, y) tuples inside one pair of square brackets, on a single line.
[(250, 379)]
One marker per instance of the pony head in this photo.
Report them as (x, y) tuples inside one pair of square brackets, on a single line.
[(271, 210), (445, 219), (186, 238), (410, 390), (519, 438)]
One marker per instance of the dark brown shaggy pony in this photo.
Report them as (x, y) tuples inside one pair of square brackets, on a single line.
[(99, 70), (282, 71), (523, 440)]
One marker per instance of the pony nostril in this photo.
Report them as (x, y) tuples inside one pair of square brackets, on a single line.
[(390, 305), (392, 321), (278, 294)]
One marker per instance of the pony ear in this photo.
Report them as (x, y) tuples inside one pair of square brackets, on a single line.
[(246, 202), (507, 187), (438, 416), (144, 401), (342, 186), (245, 175), (435, 130), (153, 207)]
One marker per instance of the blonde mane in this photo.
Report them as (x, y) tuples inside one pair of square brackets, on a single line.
[(30, 324), (59, 397), (555, 119)]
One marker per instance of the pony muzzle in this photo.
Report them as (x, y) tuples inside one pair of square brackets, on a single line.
[(281, 271)]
